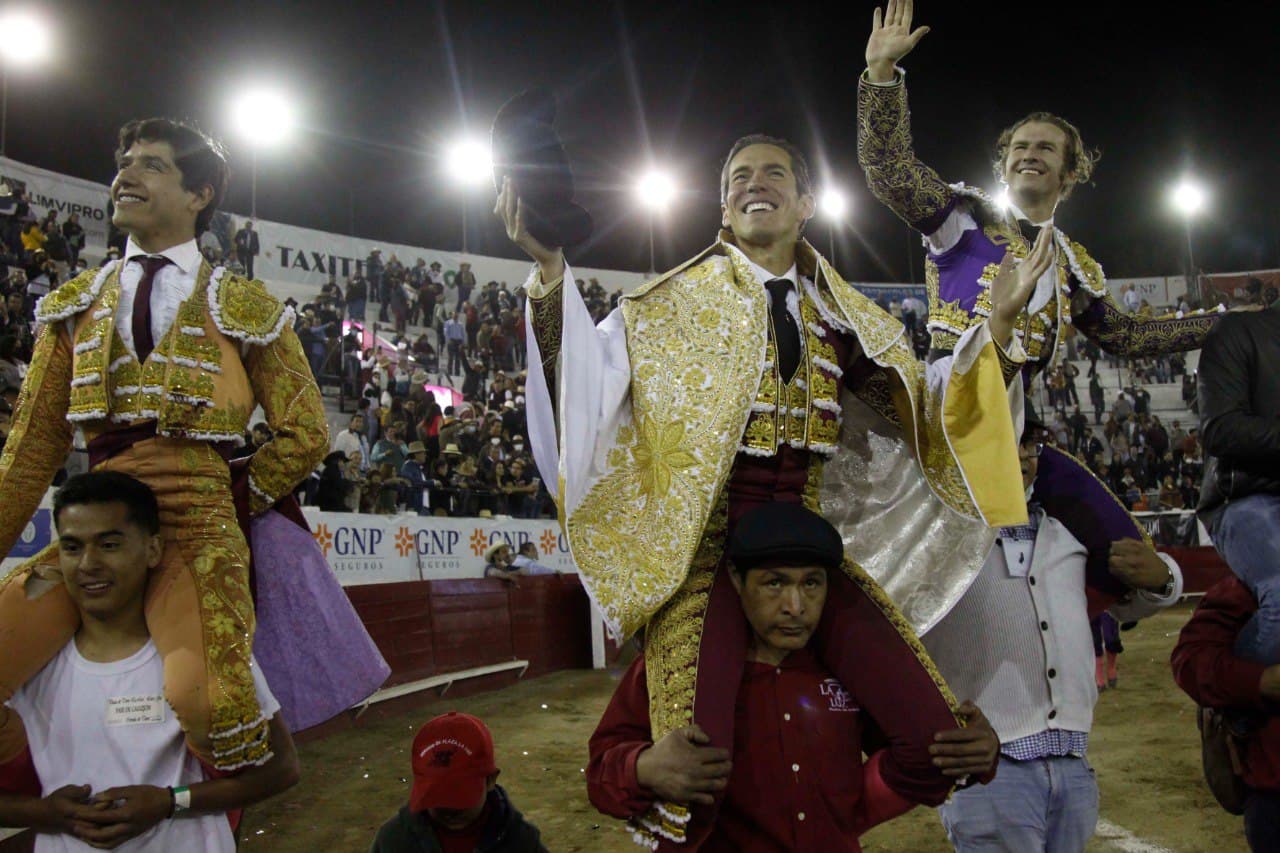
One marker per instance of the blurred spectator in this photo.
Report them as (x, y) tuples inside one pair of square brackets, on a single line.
[(390, 450), (12, 368), (73, 233), (353, 440), (413, 472), (334, 488), (247, 247), (497, 563), (526, 561), (464, 281)]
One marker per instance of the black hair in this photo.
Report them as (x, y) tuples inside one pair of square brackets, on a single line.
[(201, 159), (110, 487), (799, 165)]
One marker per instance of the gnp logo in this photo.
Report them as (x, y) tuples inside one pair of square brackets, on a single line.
[(348, 541), (323, 538), (404, 542)]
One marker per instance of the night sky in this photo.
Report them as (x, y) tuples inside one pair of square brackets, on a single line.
[(385, 87)]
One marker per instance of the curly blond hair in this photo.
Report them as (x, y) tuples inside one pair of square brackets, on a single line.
[(1077, 161)]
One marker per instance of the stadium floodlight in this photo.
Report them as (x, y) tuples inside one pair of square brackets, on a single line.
[(656, 190), (833, 204), (265, 117), (1001, 198), (1188, 197), (26, 39), (469, 162)]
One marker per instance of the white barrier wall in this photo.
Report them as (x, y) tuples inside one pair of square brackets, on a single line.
[(364, 549)]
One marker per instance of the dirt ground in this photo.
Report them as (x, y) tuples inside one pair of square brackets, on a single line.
[(1144, 747)]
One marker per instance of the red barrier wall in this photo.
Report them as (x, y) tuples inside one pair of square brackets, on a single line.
[(426, 628)]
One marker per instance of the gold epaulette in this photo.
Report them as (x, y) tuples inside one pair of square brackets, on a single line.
[(70, 299), (1086, 269), (243, 309)]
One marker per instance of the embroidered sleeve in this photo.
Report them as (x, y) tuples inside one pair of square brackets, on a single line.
[(39, 436), (286, 390), (896, 176), (1124, 334), (546, 312), (1010, 362)]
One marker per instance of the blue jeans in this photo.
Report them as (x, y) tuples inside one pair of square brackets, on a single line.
[(1247, 536), (1049, 805)]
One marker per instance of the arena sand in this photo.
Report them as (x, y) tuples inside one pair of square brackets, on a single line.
[(1144, 747)]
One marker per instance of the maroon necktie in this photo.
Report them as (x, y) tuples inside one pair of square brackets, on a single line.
[(142, 341)]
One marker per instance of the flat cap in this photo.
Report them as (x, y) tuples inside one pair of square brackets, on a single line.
[(784, 534)]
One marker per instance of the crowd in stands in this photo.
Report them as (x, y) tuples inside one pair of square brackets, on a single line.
[(36, 255), (402, 451)]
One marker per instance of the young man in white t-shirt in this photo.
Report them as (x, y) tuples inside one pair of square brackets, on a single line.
[(109, 752)]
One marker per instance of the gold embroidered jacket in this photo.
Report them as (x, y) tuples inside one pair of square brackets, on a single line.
[(959, 278), (196, 385), (637, 488)]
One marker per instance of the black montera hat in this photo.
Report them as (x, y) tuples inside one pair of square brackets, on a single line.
[(525, 147), (784, 534)]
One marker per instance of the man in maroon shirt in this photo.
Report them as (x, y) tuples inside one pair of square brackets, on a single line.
[(1206, 667), (795, 779)]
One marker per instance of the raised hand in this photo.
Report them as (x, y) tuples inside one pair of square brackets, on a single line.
[(511, 211), (1013, 285), (891, 39)]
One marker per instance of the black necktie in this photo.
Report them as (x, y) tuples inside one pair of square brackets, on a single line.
[(142, 341), (785, 334), (1029, 232)]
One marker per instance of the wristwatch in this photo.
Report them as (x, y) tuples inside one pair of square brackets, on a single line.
[(181, 800)]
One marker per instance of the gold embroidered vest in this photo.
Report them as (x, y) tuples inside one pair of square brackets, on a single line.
[(805, 412), (193, 384)]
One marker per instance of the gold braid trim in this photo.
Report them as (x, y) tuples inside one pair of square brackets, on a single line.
[(220, 571), (546, 313), (672, 640), (813, 484), (896, 176), (673, 635), (1008, 367)]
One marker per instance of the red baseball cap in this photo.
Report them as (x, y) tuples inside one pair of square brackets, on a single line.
[(452, 756)]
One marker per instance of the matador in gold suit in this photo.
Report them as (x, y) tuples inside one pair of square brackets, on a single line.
[(169, 421), (672, 418)]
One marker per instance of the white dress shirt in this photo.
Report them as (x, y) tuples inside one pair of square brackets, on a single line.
[(173, 285)]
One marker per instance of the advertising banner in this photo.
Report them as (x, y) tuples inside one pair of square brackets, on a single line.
[(53, 191), (1153, 289), (365, 549)]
